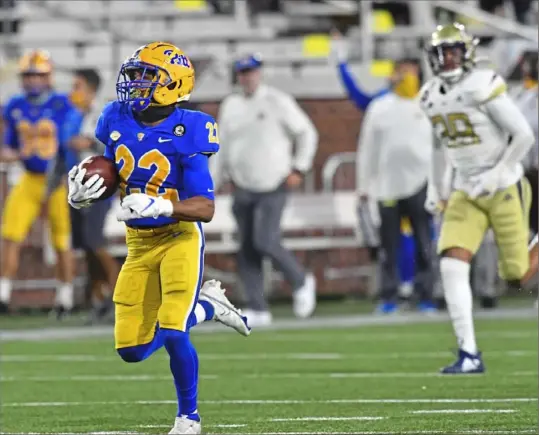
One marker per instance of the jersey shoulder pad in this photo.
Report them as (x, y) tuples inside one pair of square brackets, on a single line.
[(14, 107), (108, 114), (485, 85), (426, 92), (111, 109), (15, 101), (201, 129)]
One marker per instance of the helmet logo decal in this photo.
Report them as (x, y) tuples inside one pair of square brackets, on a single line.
[(177, 59)]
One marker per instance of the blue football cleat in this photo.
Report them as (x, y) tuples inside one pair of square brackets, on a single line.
[(387, 308), (466, 364), (427, 307)]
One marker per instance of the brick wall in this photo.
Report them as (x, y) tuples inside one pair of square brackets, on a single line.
[(337, 122)]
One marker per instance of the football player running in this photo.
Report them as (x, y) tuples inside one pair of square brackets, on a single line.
[(482, 136), (161, 152), (34, 121)]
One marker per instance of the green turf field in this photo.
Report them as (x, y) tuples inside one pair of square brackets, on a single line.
[(375, 379)]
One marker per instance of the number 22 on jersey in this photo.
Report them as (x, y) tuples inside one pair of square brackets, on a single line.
[(151, 160)]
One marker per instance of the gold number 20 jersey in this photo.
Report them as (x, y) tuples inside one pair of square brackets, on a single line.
[(473, 141)]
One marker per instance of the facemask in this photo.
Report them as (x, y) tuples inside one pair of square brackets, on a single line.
[(408, 86)]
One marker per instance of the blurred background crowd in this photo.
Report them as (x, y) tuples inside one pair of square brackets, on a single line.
[(326, 60)]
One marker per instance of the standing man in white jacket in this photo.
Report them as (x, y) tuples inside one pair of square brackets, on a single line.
[(393, 163), (259, 128)]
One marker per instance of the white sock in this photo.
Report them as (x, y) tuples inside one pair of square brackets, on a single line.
[(458, 296), (533, 242), (5, 290), (64, 295), (200, 314), (531, 283)]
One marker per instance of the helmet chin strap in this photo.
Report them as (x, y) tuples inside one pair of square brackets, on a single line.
[(452, 76), (154, 113)]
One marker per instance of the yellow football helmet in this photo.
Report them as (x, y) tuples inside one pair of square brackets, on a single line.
[(451, 51), (35, 62), (35, 69), (156, 75)]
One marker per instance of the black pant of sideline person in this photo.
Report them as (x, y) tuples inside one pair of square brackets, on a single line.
[(258, 215), (391, 213)]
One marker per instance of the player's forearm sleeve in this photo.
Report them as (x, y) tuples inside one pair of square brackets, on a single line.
[(508, 117), (440, 173)]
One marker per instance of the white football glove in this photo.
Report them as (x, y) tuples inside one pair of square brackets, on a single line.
[(433, 203), (82, 195), (140, 205), (485, 184)]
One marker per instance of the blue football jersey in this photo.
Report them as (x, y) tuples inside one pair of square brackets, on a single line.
[(35, 130), (169, 159)]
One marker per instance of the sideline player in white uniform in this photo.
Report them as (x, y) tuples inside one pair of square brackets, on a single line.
[(482, 135)]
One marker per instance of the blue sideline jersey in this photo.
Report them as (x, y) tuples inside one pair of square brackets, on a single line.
[(35, 130), (169, 159)]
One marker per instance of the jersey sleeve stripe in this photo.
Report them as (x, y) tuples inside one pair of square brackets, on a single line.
[(495, 93)]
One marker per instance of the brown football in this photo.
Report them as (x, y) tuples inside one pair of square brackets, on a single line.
[(105, 168)]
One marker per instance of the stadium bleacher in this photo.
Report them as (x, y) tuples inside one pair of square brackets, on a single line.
[(292, 38)]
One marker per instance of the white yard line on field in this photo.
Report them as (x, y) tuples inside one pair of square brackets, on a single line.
[(94, 378), (72, 433), (155, 426), (361, 337), (464, 411), (328, 322), (270, 402), (300, 376), (305, 356), (415, 432), (327, 419)]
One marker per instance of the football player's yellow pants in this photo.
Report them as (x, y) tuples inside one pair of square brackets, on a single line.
[(159, 281), (23, 206), (507, 212)]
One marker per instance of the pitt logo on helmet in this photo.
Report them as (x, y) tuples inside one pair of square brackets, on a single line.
[(156, 75)]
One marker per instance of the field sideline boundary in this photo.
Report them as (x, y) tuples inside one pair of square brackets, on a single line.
[(348, 321)]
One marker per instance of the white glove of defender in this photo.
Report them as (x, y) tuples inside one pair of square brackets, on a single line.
[(433, 203), (485, 184), (140, 205), (82, 195)]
